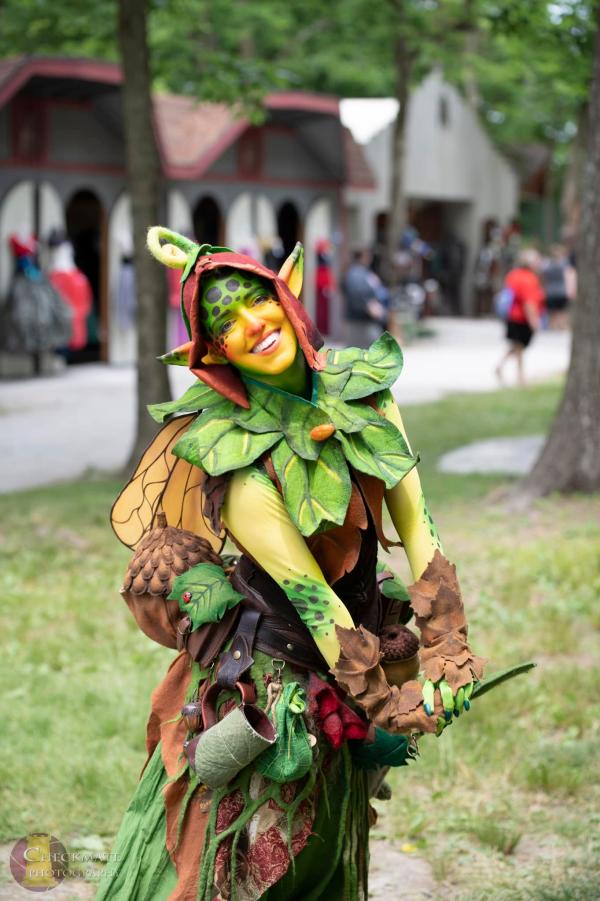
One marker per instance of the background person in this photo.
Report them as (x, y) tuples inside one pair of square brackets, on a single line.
[(560, 286), (526, 309), (365, 294)]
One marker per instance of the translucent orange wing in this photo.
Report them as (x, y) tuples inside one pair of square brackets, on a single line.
[(163, 483)]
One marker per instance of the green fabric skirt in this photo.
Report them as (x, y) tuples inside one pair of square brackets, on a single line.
[(140, 868), (331, 867)]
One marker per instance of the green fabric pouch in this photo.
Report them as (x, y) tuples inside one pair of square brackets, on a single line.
[(290, 758)]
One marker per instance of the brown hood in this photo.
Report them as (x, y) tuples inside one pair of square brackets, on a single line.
[(225, 378)]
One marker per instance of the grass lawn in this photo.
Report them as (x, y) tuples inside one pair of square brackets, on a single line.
[(504, 805)]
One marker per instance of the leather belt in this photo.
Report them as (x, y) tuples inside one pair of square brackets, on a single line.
[(281, 632)]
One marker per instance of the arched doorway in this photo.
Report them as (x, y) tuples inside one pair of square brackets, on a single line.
[(208, 222), (288, 226), (85, 223)]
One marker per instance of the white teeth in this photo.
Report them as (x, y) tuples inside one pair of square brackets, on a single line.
[(265, 343)]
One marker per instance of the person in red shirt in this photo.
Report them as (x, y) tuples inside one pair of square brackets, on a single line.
[(526, 308)]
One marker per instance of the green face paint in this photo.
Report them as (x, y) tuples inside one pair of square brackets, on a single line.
[(224, 291)]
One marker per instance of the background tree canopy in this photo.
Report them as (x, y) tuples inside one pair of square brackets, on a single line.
[(525, 64)]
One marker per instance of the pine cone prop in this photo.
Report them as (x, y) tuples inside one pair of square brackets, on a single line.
[(165, 553)]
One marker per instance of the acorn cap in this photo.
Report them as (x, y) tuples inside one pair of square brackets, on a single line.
[(165, 553), (398, 643)]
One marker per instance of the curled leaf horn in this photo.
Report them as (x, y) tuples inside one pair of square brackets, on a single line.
[(175, 252)]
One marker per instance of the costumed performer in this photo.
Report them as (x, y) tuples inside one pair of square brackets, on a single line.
[(291, 452)]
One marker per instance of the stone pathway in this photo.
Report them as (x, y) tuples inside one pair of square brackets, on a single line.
[(56, 428), (509, 456)]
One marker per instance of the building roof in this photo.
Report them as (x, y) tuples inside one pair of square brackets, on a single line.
[(191, 134)]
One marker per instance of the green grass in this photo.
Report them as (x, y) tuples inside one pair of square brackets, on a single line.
[(504, 805)]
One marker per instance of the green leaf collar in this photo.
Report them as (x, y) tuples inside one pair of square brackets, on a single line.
[(314, 475)]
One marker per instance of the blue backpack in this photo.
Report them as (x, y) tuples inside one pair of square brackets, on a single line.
[(503, 301)]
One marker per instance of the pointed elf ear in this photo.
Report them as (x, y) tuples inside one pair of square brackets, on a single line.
[(179, 356), (175, 253), (212, 358), (293, 269)]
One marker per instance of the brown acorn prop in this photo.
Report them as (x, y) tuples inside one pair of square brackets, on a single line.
[(400, 648), (165, 553)]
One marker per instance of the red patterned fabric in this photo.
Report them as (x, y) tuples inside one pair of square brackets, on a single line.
[(263, 856)]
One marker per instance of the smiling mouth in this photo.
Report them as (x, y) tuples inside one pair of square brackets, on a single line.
[(268, 344)]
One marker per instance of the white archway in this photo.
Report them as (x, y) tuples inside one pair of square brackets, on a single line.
[(122, 343), (16, 217), (251, 223), (179, 217)]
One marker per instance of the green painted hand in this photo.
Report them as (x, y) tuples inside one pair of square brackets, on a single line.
[(451, 704)]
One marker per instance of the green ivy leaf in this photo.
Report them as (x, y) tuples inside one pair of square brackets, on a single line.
[(353, 373), (212, 594), (217, 444), (198, 397), (379, 449), (316, 493)]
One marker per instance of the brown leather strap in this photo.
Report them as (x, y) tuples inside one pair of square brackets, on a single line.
[(279, 638), (204, 644), (211, 695), (281, 632), (234, 663)]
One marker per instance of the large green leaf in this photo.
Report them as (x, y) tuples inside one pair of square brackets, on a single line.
[(353, 373), (379, 449), (278, 411), (297, 421), (211, 593), (344, 416), (217, 444), (316, 492), (264, 414), (198, 397)]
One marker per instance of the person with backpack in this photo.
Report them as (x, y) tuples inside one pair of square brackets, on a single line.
[(523, 299), (560, 285)]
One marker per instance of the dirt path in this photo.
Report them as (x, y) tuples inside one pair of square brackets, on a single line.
[(393, 875)]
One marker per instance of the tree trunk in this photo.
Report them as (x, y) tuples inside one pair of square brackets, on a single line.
[(143, 175), (398, 215), (570, 460)]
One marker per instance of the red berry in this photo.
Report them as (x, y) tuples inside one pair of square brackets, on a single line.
[(187, 597)]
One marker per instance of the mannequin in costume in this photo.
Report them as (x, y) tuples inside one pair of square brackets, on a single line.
[(290, 452)]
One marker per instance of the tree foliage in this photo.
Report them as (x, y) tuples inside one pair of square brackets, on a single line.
[(512, 50)]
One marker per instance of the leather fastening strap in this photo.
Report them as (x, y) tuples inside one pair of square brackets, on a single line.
[(235, 663)]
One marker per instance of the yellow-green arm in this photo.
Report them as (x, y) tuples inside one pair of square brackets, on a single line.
[(254, 513), (407, 506)]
